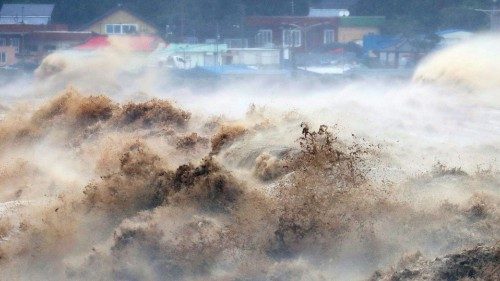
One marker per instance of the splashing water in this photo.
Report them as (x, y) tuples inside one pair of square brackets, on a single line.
[(252, 180)]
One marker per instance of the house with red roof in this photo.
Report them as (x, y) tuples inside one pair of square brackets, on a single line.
[(30, 42)]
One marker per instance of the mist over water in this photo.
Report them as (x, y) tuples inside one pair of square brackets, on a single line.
[(112, 173)]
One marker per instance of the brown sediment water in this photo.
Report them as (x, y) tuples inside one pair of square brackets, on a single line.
[(368, 180)]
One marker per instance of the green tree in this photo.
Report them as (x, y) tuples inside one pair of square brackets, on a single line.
[(425, 16), (203, 18)]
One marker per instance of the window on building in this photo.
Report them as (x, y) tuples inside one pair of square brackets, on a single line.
[(15, 43), (3, 57), (264, 38), (109, 29), (113, 28), (117, 29), (292, 38), (121, 28), (3, 42), (328, 36), (129, 28)]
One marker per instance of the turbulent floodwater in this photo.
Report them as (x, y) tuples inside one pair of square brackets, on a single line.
[(111, 174)]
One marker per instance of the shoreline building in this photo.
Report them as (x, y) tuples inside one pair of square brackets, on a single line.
[(120, 21)]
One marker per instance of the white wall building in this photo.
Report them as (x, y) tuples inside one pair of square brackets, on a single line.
[(253, 56)]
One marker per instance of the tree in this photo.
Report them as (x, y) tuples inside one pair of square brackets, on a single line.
[(425, 16), (462, 18), (206, 18)]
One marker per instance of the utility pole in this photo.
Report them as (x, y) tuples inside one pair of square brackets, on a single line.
[(217, 37), (494, 11), (183, 19)]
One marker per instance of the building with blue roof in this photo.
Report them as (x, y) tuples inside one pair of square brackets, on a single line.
[(35, 14)]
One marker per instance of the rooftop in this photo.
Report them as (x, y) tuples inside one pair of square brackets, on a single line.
[(239, 70), (140, 43), (26, 28), (335, 4), (356, 21), (60, 35), (197, 48), (328, 13), (289, 20), (113, 11), (26, 13), (380, 42)]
